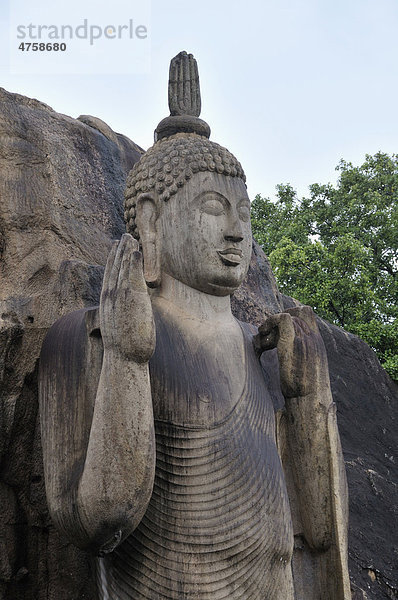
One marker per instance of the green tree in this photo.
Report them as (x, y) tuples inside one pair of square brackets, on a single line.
[(337, 250)]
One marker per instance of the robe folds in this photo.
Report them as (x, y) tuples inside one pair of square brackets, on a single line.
[(223, 514), (218, 525)]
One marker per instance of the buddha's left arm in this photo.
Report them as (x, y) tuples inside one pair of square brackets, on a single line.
[(312, 437)]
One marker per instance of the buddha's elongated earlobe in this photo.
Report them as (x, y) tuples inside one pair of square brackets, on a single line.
[(147, 223)]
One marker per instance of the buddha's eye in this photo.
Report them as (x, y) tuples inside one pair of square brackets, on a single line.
[(244, 212), (213, 206)]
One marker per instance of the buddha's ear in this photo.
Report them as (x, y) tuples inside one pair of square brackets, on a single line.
[(147, 214)]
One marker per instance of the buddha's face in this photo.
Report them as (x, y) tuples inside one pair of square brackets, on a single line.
[(206, 235)]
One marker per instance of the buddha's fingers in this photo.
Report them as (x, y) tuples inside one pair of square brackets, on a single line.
[(273, 329), (116, 265), (127, 280), (306, 314), (136, 273), (109, 265)]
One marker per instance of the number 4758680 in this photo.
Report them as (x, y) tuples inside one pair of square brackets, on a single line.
[(41, 47)]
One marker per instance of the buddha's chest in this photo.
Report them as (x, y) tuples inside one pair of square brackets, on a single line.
[(197, 379)]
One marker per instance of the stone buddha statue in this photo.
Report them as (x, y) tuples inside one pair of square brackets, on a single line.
[(193, 455)]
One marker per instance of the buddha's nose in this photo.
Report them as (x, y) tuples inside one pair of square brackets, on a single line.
[(234, 232), (233, 237)]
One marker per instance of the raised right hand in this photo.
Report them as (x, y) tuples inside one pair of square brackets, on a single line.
[(126, 318)]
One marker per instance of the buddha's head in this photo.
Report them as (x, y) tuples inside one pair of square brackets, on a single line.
[(187, 204)]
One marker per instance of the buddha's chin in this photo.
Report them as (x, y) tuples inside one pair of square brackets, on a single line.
[(221, 290), (221, 283), (224, 286)]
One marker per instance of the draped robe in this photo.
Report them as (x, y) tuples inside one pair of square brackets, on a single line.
[(218, 524)]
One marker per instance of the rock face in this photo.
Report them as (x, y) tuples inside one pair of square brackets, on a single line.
[(61, 186), (61, 189), (367, 414)]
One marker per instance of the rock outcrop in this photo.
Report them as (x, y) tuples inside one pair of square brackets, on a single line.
[(61, 190)]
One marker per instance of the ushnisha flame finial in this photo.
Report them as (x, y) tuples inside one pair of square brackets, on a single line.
[(184, 88), (184, 100)]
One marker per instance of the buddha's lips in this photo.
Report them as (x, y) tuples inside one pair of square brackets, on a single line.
[(231, 256)]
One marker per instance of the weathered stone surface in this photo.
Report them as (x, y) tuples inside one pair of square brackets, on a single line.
[(184, 99), (258, 296), (56, 231), (367, 403), (213, 510), (61, 186)]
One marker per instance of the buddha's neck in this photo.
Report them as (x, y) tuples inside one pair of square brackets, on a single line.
[(194, 304)]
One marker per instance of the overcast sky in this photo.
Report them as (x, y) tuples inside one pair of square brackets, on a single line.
[(288, 86)]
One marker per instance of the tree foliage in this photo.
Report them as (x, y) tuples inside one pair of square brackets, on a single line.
[(337, 250)]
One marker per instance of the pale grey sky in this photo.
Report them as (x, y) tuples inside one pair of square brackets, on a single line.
[(288, 86)]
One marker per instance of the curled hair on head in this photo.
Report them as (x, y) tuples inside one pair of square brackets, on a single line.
[(169, 164)]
